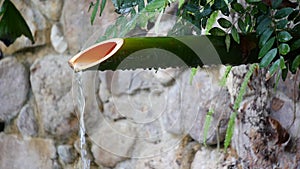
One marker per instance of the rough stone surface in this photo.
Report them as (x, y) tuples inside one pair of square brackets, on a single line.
[(207, 158), (285, 105), (57, 39), (171, 152), (167, 76), (27, 122), (17, 153), (66, 153), (77, 26), (188, 104), (38, 25), (112, 142), (166, 160), (51, 9), (13, 86), (135, 95), (51, 80)]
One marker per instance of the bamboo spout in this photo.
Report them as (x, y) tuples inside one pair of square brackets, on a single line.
[(95, 54), (159, 52)]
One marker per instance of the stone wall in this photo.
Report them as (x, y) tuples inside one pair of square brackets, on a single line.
[(134, 119)]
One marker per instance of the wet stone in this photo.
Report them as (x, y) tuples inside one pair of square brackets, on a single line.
[(113, 142), (67, 153), (51, 80)]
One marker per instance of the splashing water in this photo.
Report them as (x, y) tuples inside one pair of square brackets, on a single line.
[(81, 107)]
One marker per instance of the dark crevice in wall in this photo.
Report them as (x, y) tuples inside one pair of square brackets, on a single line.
[(2, 126)]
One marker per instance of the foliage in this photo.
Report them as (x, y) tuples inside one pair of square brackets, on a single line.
[(275, 22), (193, 73), (230, 130), (237, 102), (130, 18), (224, 78), (207, 123), (12, 24)]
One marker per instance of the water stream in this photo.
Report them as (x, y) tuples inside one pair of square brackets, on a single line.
[(81, 107)]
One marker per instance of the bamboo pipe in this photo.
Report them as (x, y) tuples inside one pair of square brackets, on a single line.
[(157, 52)]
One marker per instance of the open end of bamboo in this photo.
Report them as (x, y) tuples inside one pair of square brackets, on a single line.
[(95, 54)]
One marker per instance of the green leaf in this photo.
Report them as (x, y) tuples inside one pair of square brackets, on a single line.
[(265, 36), (90, 6), (219, 4), (95, 9), (180, 3), (225, 76), (203, 2), (266, 48), (284, 12), (102, 6), (227, 42), (238, 100), (293, 15), (211, 21), (225, 10), (242, 25), (217, 31), (143, 20), (224, 23), (263, 8), (243, 87), (274, 67), (296, 29), (193, 73), (276, 3), (12, 24), (267, 59), (282, 24), (263, 25), (155, 5), (254, 11), (296, 63), (229, 130), (141, 5), (284, 74), (207, 11), (208, 120), (284, 36), (284, 48), (248, 22), (295, 45), (297, 19), (238, 8), (235, 35), (282, 63)]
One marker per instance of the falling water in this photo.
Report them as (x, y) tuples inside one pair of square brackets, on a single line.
[(81, 107)]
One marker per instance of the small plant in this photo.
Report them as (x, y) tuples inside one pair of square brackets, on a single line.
[(238, 100), (208, 119)]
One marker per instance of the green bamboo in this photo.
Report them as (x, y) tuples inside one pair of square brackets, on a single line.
[(163, 52)]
